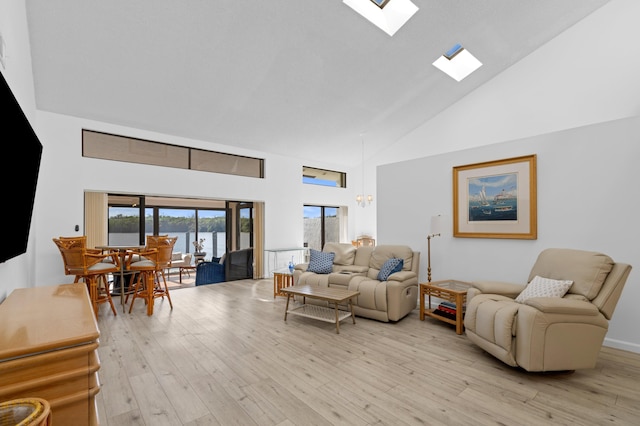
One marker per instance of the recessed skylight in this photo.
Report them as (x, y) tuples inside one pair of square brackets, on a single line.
[(388, 15), (380, 3), (457, 63)]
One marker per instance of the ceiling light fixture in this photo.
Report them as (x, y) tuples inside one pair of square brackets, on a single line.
[(457, 63), (388, 15)]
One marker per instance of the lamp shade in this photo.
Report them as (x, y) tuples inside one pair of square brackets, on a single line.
[(437, 225)]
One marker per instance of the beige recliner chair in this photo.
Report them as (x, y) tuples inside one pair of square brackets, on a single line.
[(548, 333)]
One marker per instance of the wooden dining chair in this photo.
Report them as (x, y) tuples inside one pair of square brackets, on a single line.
[(152, 240), (151, 264), (91, 266), (72, 242), (165, 245)]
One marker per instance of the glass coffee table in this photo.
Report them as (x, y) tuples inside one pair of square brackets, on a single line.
[(453, 291)]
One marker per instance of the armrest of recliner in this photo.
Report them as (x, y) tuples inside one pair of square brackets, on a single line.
[(402, 276), (301, 267), (399, 281), (558, 305), (502, 288)]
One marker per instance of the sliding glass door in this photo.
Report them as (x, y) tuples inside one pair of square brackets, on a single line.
[(321, 225), (222, 225)]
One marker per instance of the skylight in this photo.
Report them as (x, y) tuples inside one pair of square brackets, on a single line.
[(380, 3), (457, 63), (388, 15)]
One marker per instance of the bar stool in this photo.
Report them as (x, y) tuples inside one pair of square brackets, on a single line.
[(90, 266), (151, 265)]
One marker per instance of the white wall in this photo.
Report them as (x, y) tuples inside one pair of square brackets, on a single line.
[(59, 199), (17, 272), (575, 103), (586, 200)]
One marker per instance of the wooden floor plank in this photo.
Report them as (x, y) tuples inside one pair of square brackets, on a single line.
[(225, 356)]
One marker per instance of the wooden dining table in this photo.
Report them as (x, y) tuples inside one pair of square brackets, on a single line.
[(122, 252)]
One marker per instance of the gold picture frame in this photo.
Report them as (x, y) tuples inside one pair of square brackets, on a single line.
[(496, 199)]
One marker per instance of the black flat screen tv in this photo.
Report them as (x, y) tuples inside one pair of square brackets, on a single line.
[(19, 174)]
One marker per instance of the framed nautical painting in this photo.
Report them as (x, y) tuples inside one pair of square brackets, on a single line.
[(496, 199)]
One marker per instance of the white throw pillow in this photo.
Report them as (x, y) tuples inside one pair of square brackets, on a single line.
[(544, 287)]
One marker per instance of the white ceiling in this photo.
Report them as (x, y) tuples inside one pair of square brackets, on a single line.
[(301, 78)]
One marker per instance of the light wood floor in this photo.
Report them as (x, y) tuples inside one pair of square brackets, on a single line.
[(225, 356)]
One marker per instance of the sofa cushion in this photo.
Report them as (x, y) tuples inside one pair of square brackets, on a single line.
[(587, 270), (345, 254), (383, 253), (389, 267), (176, 255), (544, 287), (320, 262)]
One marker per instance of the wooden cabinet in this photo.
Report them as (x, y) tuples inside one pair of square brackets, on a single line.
[(49, 350)]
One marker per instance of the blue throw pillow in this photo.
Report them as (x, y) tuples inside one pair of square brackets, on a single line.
[(320, 262), (389, 267)]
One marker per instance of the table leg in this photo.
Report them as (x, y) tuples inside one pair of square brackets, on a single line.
[(353, 315), (150, 290), (459, 323), (93, 294), (286, 308), (421, 304), (337, 320), (276, 290), (122, 259)]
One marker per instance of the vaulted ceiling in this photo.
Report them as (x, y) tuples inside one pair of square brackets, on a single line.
[(300, 78)]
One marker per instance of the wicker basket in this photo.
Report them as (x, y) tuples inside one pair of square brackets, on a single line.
[(25, 412)]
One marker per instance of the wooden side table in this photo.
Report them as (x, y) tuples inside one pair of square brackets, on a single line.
[(450, 290), (281, 279)]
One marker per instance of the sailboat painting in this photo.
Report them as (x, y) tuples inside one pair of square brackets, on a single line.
[(496, 199), (493, 198)]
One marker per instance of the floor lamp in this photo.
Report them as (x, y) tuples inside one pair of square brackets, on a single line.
[(436, 225)]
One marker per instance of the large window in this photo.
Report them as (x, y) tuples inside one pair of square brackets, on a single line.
[(192, 225), (126, 220), (321, 225), (211, 227), (189, 224), (224, 225)]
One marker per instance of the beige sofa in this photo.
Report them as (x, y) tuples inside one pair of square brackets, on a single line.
[(548, 331), (357, 268)]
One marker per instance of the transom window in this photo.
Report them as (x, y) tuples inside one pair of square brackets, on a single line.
[(323, 177)]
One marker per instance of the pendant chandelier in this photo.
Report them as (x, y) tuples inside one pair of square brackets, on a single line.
[(361, 199)]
